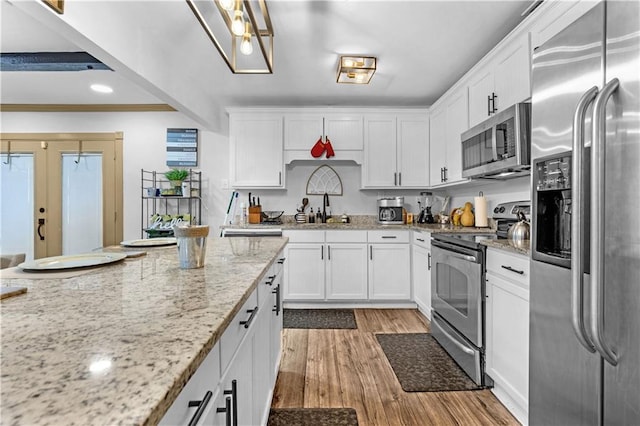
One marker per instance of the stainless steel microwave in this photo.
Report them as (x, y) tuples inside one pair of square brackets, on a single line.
[(499, 147)]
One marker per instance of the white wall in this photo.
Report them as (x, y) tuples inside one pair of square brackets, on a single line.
[(498, 191)]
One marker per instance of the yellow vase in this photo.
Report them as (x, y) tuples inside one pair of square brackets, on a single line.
[(467, 218)]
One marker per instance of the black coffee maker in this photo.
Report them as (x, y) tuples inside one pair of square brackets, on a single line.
[(425, 203)]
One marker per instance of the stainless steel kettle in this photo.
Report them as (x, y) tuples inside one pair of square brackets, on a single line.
[(520, 231)]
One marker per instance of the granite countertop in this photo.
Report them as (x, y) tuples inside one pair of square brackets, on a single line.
[(508, 245), (117, 345), (364, 222)]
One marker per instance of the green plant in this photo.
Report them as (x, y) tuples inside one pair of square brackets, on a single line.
[(176, 174)]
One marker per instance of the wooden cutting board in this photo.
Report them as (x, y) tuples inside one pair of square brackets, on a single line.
[(6, 292)]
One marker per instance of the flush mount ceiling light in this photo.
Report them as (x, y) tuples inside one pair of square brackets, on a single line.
[(237, 31), (356, 69)]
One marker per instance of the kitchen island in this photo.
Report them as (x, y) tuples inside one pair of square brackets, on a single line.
[(118, 344)]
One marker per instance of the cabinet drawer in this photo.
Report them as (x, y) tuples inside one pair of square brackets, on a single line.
[(304, 236), (269, 281), (205, 379), (422, 239), (236, 331), (388, 236), (508, 265), (346, 236)]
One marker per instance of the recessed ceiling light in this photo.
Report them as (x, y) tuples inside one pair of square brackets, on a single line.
[(101, 88)]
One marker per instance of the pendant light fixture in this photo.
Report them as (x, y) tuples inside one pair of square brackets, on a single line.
[(247, 24)]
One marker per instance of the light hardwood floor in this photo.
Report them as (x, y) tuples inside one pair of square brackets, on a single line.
[(347, 368)]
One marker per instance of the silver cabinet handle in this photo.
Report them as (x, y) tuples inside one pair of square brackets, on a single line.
[(597, 220), (577, 232), (202, 405)]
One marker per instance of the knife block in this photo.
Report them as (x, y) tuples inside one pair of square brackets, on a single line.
[(255, 214)]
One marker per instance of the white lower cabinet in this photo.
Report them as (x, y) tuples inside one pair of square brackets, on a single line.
[(349, 265), (237, 378), (346, 265), (199, 391), (421, 271), (507, 329), (304, 269), (389, 265)]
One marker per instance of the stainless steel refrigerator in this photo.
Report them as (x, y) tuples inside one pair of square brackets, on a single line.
[(585, 270)]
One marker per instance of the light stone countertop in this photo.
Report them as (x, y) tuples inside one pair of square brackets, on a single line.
[(508, 245), (117, 345), (363, 222)]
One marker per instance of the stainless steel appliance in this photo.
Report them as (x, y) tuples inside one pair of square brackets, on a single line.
[(505, 215), (585, 270), (499, 147), (390, 211), (426, 204), (457, 300)]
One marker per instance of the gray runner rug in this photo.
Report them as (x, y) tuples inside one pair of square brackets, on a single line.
[(312, 417), (319, 318), (422, 365)]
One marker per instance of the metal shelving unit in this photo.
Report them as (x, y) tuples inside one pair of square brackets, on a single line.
[(159, 202)]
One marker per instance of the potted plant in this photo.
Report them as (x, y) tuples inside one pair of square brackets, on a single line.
[(176, 176)]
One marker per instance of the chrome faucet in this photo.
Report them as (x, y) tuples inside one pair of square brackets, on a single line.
[(325, 204)]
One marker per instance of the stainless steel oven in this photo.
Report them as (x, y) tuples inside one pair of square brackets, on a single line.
[(457, 299)]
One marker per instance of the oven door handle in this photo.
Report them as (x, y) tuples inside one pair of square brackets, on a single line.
[(454, 251), (455, 342)]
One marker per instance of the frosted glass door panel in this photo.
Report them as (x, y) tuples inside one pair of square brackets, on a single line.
[(16, 220), (81, 203)]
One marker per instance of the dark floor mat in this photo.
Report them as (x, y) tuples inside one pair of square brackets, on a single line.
[(312, 417), (319, 318), (422, 365)]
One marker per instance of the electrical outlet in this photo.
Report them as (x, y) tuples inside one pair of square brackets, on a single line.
[(224, 184), (417, 200)]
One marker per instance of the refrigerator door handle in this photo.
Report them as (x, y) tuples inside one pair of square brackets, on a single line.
[(577, 232), (597, 221)]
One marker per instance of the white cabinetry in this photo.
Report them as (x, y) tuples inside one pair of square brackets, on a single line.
[(503, 81), (304, 269), (448, 120), (553, 17), (396, 151), (201, 387), (389, 265), (256, 153), (302, 131), (507, 329), (346, 265), (421, 271)]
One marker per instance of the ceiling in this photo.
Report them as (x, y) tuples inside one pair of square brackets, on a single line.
[(423, 47)]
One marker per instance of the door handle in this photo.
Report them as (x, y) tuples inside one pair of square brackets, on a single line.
[(40, 225), (429, 261), (493, 103), (509, 268), (455, 342), (488, 105), (395, 178), (445, 174), (577, 232), (276, 307), (329, 252), (597, 220)]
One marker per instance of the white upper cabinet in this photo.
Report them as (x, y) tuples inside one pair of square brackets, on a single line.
[(448, 121), (503, 81), (256, 150), (396, 151), (303, 130)]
